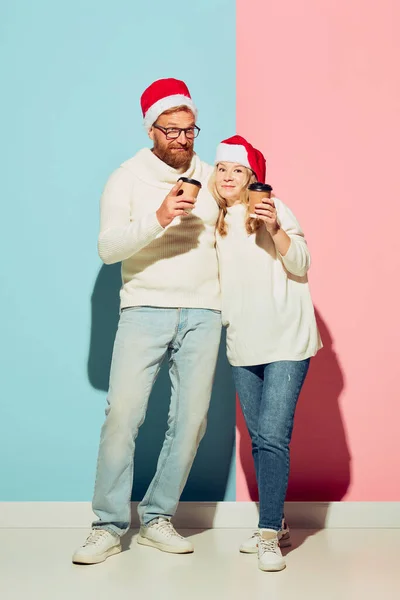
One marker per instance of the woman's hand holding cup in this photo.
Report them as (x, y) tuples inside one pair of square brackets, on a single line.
[(266, 211)]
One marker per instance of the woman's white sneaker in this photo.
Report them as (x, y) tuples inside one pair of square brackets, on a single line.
[(99, 545), (250, 546), (269, 554), (161, 534)]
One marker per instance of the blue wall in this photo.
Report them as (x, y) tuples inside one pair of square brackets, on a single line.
[(73, 75)]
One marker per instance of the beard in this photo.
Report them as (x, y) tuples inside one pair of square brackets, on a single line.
[(177, 160)]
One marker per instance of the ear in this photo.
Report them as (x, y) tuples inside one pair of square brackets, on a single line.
[(150, 133)]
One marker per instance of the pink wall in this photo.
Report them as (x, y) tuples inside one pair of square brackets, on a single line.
[(318, 89)]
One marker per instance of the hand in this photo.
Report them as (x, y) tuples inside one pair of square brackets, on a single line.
[(174, 206), (266, 211)]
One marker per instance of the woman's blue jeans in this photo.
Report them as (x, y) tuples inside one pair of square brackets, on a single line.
[(268, 396)]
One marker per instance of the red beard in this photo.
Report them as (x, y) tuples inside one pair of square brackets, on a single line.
[(176, 160)]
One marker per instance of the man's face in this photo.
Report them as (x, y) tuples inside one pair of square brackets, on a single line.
[(177, 153)]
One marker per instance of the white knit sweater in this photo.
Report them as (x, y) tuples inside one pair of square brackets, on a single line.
[(266, 301), (172, 267)]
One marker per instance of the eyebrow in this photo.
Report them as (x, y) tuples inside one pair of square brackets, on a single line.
[(236, 165), (173, 124)]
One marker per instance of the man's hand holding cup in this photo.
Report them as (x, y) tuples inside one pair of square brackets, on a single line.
[(174, 205)]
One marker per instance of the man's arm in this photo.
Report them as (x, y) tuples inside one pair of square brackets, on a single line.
[(120, 237)]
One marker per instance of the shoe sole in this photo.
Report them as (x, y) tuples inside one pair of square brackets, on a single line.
[(163, 547), (272, 568), (284, 542), (94, 560), (249, 550)]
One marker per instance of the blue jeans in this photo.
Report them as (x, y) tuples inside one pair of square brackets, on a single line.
[(268, 396), (190, 338)]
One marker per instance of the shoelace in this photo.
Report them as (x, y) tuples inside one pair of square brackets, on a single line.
[(95, 537), (255, 534), (167, 528), (268, 545)]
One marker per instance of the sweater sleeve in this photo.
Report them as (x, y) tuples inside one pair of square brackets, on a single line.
[(121, 237), (297, 260)]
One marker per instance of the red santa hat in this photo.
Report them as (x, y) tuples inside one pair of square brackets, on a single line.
[(238, 150), (163, 95)]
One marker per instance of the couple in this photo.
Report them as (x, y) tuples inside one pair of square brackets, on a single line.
[(171, 304)]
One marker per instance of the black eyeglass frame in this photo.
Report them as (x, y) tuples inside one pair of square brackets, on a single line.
[(166, 131)]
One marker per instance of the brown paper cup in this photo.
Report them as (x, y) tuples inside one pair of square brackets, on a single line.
[(190, 187), (257, 191)]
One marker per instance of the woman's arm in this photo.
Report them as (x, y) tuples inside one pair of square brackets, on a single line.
[(287, 235)]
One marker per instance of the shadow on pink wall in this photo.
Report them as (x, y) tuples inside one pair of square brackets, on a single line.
[(320, 458)]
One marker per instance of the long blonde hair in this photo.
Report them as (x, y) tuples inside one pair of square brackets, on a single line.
[(251, 224)]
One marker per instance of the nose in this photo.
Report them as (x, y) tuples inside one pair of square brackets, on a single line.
[(182, 139), (228, 177)]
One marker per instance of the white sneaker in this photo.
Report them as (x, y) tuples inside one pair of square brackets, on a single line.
[(269, 554), (161, 534), (250, 546), (99, 545)]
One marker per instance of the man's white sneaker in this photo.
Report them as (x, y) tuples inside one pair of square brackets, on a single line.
[(99, 545), (269, 554), (250, 546), (161, 534)]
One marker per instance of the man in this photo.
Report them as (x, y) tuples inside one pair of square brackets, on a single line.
[(170, 306)]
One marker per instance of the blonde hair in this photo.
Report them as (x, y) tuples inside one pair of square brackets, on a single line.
[(251, 224)]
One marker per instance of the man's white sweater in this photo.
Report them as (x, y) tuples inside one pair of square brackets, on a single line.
[(172, 267)]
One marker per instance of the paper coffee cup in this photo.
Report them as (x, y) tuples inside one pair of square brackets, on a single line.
[(190, 187), (257, 191)]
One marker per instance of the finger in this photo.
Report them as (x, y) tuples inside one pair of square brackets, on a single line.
[(188, 199), (185, 204), (268, 201), (267, 221), (264, 220), (266, 213), (176, 188), (265, 207)]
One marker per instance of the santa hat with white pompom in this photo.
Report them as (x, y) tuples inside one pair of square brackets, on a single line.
[(238, 150), (163, 95)]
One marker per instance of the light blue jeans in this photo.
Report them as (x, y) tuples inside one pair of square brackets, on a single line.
[(190, 338)]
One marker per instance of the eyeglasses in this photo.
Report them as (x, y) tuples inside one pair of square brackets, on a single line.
[(172, 133)]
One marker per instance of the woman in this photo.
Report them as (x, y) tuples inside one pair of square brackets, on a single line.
[(271, 327)]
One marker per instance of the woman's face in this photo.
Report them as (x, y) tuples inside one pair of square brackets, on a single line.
[(230, 180)]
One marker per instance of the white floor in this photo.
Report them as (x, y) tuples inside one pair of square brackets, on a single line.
[(337, 564)]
